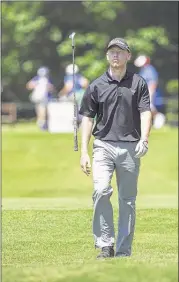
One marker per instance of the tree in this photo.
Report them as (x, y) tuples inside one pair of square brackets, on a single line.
[(37, 33)]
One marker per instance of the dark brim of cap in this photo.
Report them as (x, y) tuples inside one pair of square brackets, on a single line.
[(121, 46)]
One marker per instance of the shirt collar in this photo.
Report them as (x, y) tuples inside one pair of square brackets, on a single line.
[(110, 79)]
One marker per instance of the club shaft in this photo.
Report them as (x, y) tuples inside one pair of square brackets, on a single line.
[(75, 121)]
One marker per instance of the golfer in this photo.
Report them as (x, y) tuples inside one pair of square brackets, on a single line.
[(120, 102)]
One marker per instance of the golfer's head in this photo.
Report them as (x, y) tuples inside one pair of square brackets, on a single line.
[(118, 53)]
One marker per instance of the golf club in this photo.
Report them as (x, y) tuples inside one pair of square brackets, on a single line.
[(74, 95)]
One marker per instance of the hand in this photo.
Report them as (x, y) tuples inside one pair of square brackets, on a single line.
[(85, 163), (141, 148)]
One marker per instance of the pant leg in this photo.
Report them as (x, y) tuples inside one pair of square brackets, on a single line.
[(103, 167), (127, 171)]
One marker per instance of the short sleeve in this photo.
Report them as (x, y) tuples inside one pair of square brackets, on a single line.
[(68, 78), (89, 103), (144, 98)]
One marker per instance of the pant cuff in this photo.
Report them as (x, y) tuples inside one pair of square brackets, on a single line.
[(99, 243)]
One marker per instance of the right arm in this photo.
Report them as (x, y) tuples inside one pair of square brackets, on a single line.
[(31, 84), (68, 86), (88, 109), (86, 130)]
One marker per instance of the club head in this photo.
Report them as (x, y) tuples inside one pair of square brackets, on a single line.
[(72, 35)]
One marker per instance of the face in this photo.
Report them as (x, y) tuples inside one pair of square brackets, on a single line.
[(117, 57)]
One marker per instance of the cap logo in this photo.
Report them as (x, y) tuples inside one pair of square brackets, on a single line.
[(121, 42)]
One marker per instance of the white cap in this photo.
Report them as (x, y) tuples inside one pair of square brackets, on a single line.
[(43, 71), (140, 61), (69, 69)]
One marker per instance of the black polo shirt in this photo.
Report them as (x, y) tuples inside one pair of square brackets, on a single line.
[(116, 106)]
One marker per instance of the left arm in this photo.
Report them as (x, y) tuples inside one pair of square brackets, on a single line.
[(145, 111), (146, 122)]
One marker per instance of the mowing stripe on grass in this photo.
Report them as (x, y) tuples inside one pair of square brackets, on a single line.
[(143, 201)]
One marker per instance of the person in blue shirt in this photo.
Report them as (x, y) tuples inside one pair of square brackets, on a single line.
[(150, 74), (42, 89), (81, 83)]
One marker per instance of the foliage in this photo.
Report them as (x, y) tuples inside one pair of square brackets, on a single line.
[(145, 40), (40, 35), (21, 23), (172, 86), (92, 62), (104, 10)]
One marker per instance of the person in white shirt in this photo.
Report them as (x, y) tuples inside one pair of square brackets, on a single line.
[(41, 95)]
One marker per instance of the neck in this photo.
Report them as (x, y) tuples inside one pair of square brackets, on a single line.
[(117, 74)]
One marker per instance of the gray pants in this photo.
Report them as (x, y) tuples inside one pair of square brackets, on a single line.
[(107, 157)]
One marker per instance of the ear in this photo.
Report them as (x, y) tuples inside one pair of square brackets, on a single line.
[(129, 56), (107, 57)]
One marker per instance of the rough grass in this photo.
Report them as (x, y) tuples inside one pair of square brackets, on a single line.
[(58, 246)]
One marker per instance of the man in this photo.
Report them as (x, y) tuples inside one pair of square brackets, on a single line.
[(42, 93), (120, 101), (81, 83), (150, 74)]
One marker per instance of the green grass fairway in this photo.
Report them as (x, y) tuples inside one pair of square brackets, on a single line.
[(39, 164), (47, 212)]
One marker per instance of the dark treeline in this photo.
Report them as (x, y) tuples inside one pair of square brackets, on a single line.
[(36, 34)]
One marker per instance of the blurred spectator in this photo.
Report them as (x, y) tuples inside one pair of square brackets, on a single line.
[(81, 83), (42, 93), (150, 74)]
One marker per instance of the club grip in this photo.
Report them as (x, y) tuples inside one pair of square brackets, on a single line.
[(75, 143)]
